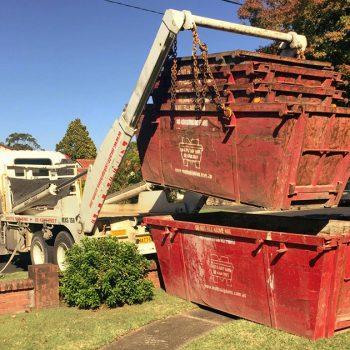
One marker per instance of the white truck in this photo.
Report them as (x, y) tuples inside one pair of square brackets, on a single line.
[(42, 208), (41, 196)]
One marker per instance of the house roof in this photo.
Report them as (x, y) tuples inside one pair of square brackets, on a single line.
[(85, 163)]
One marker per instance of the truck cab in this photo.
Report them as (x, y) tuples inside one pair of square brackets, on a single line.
[(32, 213)]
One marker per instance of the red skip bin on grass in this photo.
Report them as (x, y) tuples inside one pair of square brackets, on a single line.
[(291, 274)]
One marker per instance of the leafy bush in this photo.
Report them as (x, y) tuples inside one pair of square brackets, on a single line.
[(105, 271)]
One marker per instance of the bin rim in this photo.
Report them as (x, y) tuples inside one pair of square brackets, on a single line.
[(279, 109), (267, 56), (322, 242)]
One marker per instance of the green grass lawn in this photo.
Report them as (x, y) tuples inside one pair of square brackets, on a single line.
[(14, 276), (70, 328), (244, 335)]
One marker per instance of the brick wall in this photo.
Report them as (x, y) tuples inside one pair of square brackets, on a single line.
[(16, 296), (39, 291), (153, 274)]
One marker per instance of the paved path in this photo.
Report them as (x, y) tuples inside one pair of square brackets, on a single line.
[(19, 263), (171, 333)]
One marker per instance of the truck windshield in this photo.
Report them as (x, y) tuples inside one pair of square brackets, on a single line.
[(33, 161)]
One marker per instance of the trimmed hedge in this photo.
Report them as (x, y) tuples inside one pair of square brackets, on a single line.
[(105, 271)]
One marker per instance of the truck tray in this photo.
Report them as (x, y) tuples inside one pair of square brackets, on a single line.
[(257, 93), (254, 77), (244, 67), (246, 265)]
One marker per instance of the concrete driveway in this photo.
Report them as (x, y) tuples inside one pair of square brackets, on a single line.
[(19, 263)]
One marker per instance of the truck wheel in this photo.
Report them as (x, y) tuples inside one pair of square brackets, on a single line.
[(40, 251), (63, 242)]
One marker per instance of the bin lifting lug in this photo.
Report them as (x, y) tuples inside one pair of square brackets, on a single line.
[(232, 119), (282, 249), (259, 243), (324, 247), (171, 232)]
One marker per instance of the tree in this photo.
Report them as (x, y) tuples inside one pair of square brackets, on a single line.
[(77, 143), (22, 141), (325, 23), (129, 171)]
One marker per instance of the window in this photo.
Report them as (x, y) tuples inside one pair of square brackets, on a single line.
[(33, 161)]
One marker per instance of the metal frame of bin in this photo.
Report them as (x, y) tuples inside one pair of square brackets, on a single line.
[(302, 158), (299, 283)]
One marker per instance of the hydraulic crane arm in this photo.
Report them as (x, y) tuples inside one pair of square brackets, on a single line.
[(118, 138)]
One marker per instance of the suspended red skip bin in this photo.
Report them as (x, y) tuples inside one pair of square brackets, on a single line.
[(287, 142)]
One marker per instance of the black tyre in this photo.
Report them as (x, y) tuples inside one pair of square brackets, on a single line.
[(40, 251), (63, 242)]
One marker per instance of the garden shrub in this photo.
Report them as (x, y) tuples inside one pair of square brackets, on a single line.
[(105, 271)]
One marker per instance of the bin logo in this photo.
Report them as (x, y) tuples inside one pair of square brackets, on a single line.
[(191, 152), (220, 270)]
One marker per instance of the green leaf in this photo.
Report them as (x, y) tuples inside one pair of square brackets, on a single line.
[(105, 271), (77, 143)]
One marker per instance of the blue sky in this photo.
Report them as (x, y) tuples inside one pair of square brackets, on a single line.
[(63, 59)]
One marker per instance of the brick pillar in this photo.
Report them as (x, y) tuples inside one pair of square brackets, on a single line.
[(45, 279)]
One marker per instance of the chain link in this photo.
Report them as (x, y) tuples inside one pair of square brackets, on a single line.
[(201, 88), (300, 55), (173, 74), (199, 91)]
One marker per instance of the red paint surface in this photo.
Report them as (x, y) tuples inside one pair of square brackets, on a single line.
[(298, 283), (266, 160), (285, 144)]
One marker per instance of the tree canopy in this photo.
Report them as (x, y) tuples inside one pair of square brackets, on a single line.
[(22, 142), (129, 171), (325, 23), (77, 143)]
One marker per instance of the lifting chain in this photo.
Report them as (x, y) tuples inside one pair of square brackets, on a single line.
[(173, 55), (201, 88), (301, 55)]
